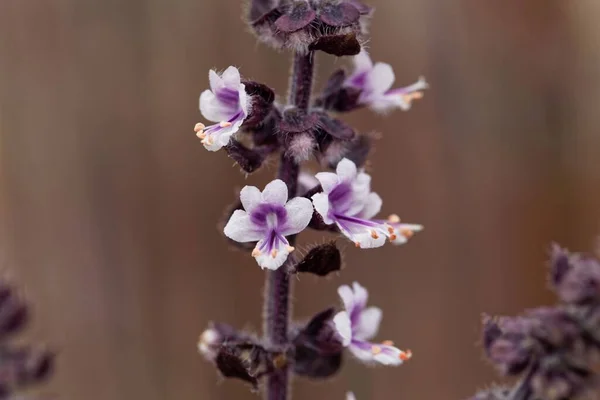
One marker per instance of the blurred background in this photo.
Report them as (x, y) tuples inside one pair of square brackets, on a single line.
[(110, 203)]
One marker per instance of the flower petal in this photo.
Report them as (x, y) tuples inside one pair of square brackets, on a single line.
[(368, 323), (276, 192), (350, 396), (347, 296), (321, 204), (266, 260), (250, 197), (231, 77), (216, 82), (364, 238), (299, 213), (381, 78), (241, 229), (328, 180), (361, 296), (343, 327), (400, 230), (362, 62), (372, 206), (346, 170), (211, 108), (371, 353), (389, 355)]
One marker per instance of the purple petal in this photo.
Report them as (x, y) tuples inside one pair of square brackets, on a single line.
[(300, 16), (339, 14)]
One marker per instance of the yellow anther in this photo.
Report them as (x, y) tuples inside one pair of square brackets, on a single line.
[(357, 244), (207, 140), (199, 127), (201, 134), (405, 355), (274, 253), (390, 229), (225, 124), (256, 252), (393, 237), (412, 96), (394, 219), (387, 343), (375, 349), (374, 235), (290, 248), (407, 233)]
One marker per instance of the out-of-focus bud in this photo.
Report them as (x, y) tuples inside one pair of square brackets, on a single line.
[(14, 313), (318, 348), (321, 260), (331, 152), (244, 361), (575, 277), (22, 367), (261, 102), (249, 160), (507, 343), (217, 334), (498, 393)]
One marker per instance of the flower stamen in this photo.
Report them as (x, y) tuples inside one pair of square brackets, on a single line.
[(375, 349), (256, 252), (387, 343), (407, 233), (374, 234), (405, 355), (290, 248), (394, 219), (225, 124), (274, 253)]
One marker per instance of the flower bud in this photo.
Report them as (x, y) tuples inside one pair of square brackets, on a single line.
[(321, 260), (14, 313)]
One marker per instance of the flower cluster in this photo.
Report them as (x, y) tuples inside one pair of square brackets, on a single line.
[(554, 349), (252, 127)]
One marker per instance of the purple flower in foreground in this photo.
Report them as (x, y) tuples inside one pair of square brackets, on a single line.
[(357, 325), (226, 103), (348, 202), (375, 84), (268, 218)]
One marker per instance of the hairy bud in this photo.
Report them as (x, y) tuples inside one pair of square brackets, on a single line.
[(321, 260)]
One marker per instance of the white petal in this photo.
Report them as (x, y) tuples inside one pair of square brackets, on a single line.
[(350, 396), (231, 77), (364, 355), (399, 229), (250, 197), (211, 108), (362, 61), (389, 355), (381, 78), (268, 261), (372, 206), (215, 81), (299, 213), (368, 323), (347, 296), (365, 239), (343, 327), (328, 180), (361, 296), (321, 204), (241, 229), (276, 192), (244, 101), (388, 102), (346, 170)]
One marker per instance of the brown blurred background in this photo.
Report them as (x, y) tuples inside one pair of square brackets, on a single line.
[(110, 203)]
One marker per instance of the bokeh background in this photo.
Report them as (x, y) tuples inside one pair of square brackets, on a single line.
[(110, 203)]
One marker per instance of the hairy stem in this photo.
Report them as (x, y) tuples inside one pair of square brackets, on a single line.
[(277, 291)]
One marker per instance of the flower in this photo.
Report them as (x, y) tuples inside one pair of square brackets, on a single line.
[(375, 82), (357, 325), (348, 202), (268, 218), (350, 396), (226, 103)]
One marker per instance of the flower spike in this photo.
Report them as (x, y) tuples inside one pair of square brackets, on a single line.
[(268, 217), (358, 324), (226, 103)]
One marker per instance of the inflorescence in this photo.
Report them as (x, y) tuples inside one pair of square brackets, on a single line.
[(251, 126)]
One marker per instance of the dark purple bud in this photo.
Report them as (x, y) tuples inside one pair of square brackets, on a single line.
[(318, 350), (343, 14), (554, 328), (334, 127), (262, 98), (580, 282), (332, 151), (242, 362), (321, 260), (300, 15), (556, 379), (297, 130), (24, 366), (507, 343), (217, 334), (337, 45), (14, 313), (249, 160), (559, 263)]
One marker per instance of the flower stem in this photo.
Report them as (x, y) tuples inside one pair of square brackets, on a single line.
[(277, 291)]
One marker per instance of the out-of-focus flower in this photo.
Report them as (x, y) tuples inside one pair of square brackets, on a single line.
[(348, 202), (268, 217), (374, 81), (358, 324), (350, 396), (226, 103)]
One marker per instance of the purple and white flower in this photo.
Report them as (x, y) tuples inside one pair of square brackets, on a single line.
[(348, 202), (358, 324), (375, 84), (226, 103), (268, 218)]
